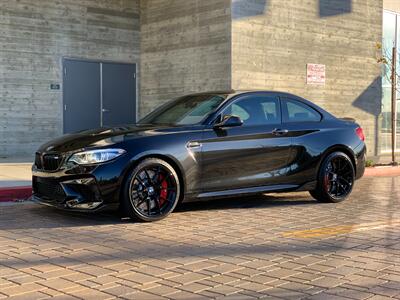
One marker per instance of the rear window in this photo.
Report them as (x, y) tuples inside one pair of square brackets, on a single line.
[(296, 111)]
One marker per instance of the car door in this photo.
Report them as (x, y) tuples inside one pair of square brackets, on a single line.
[(254, 154), (303, 123)]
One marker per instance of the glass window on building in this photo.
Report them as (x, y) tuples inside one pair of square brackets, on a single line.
[(391, 38)]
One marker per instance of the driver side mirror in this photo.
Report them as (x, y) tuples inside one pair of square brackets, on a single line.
[(229, 121)]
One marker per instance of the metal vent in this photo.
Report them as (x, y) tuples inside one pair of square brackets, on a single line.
[(48, 189)]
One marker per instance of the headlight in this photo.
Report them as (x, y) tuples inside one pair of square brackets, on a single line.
[(95, 156)]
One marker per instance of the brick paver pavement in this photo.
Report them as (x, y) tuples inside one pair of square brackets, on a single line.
[(280, 246)]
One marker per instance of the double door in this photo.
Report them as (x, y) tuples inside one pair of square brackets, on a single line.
[(97, 94)]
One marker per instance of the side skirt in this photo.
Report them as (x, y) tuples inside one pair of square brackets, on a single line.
[(308, 186), (249, 191)]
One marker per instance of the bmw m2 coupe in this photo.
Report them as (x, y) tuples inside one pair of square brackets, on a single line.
[(203, 146)]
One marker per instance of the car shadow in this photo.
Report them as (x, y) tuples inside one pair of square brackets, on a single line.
[(54, 218), (37, 216)]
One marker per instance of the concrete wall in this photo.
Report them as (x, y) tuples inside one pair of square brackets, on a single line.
[(185, 47), (273, 40), (34, 35)]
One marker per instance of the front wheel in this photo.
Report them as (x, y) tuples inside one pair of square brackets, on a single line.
[(335, 179), (151, 191)]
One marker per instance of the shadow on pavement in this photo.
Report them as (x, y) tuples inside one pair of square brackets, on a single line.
[(55, 218), (248, 202)]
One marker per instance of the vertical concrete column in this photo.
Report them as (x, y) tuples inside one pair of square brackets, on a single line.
[(273, 41), (185, 47)]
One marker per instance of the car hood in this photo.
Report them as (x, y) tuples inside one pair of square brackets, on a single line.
[(106, 136)]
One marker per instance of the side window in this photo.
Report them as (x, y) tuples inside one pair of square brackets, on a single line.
[(237, 110), (256, 110), (295, 111)]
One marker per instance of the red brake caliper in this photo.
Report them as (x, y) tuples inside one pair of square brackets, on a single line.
[(164, 191)]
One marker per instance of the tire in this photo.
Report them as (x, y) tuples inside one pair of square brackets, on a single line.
[(151, 191), (335, 179)]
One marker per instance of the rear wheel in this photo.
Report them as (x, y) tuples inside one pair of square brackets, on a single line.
[(151, 191), (335, 179)]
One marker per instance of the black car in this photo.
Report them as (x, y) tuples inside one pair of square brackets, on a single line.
[(202, 146)]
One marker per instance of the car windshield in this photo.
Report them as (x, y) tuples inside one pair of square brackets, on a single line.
[(187, 110)]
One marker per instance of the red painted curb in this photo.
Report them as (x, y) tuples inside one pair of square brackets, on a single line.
[(8, 194), (382, 171)]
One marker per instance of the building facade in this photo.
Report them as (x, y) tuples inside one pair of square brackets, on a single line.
[(35, 36), (184, 46), (390, 39)]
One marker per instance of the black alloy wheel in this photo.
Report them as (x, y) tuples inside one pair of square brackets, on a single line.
[(336, 178), (152, 190)]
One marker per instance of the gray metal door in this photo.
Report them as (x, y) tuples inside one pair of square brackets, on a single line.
[(81, 93), (119, 94), (97, 94)]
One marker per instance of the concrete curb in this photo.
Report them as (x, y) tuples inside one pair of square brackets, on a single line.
[(382, 171), (10, 194)]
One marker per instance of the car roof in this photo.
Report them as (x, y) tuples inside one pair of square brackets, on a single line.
[(241, 92), (234, 93)]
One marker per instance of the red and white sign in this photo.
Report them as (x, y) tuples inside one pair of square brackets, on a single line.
[(315, 74)]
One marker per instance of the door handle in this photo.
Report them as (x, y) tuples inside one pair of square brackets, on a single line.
[(280, 132), (105, 110), (193, 145)]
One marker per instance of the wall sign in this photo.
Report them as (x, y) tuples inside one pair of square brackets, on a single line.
[(315, 74), (55, 86)]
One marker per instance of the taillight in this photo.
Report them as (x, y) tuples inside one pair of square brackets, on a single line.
[(360, 133)]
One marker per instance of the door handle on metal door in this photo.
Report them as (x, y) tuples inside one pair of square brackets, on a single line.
[(105, 110), (280, 132)]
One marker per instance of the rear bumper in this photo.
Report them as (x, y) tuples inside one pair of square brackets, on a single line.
[(360, 156)]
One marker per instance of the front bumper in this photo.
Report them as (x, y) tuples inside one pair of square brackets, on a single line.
[(78, 193), (80, 188)]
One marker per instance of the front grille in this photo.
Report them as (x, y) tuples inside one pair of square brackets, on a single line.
[(48, 162), (48, 189), (51, 162)]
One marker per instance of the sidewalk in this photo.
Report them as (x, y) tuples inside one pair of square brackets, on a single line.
[(15, 179)]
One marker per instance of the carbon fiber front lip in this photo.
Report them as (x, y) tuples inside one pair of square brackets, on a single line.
[(64, 206)]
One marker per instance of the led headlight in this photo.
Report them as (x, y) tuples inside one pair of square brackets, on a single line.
[(95, 156)]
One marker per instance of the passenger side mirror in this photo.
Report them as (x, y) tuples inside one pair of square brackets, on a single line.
[(229, 121)]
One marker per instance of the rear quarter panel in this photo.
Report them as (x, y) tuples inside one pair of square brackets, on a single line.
[(313, 141)]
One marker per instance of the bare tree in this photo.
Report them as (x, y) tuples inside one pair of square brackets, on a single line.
[(389, 60)]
